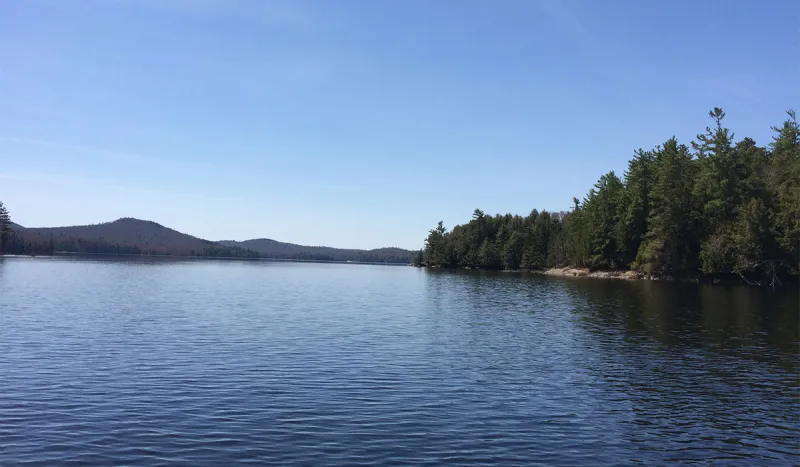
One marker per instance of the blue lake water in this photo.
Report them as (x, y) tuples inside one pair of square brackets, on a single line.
[(145, 362)]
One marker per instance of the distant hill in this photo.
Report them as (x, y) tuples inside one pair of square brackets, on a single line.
[(122, 236), (140, 237), (269, 248)]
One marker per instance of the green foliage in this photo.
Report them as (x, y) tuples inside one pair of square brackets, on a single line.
[(499, 242), (639, 181), (419, 260), (489, 257), (603, 207), (272, 249), (783, 177), (669, 246), (136, 237), (5, 227), (724, 207), (435, 246)]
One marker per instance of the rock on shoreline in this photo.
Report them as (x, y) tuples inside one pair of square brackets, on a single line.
[(585, 272)]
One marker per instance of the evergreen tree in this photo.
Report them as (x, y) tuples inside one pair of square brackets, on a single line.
[(541, 231), (734, 209), (668, 246), (784, 180), (489, 257), (5, 227), (717, 182), (719, 192), (603, 207), (419, 260), (512, 250), (576, 236), (751, 239), (636, 205), (435, 246)]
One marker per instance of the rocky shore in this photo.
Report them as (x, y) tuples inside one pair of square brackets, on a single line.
[(585, 272)]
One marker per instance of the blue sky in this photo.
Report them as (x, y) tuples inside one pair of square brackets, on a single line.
[(363, 123)]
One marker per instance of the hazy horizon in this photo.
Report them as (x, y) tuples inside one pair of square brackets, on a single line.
[(362, 124)]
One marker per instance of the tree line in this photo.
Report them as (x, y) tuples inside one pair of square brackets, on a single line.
[(359, 257), (31, 242), (135, 237), (717, 206), (5, 227), (34, 244)]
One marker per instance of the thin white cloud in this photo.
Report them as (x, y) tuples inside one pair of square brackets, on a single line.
[(120, 156), (732, 87), (342, 188), (255, 77), (105, 153), (274, 13), (50, 179), (568, 22), (605, 60)]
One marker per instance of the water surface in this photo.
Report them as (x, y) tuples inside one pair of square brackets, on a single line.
[(224, 363)]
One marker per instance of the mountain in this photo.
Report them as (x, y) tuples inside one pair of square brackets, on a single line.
[(140, 237), (122, 236), (269, 248)]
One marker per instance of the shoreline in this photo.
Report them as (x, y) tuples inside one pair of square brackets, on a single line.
[(629, 275), (68, 254), (611, 274), (570, 272)]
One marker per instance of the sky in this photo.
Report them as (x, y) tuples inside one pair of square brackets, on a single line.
[(362, 123)]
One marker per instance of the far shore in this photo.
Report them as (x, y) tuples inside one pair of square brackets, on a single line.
[(64, 254)]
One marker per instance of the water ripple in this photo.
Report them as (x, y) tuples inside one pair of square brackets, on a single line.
[(206, 363)]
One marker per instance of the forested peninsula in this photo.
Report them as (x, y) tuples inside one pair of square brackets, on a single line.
[(717, 207)]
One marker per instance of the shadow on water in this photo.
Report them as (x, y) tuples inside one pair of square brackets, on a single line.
[(732, 319), (685, 371), (202, 363), (675, 314), (747, 322), (713, 367)]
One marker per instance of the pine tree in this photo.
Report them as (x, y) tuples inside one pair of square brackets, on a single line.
[(576, 235), (512, 250), (719, 193), (419, 260), (603, 206), (435, 246), (5, 227), (633, 224), (734, 209), (784, 181), (488, 256), (754, 247), (670, 240), (536, 251), (716, 182)]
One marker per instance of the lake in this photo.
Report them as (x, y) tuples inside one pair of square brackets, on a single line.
[(153, 362)]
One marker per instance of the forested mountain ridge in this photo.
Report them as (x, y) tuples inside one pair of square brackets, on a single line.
[(139, 237), (715, 207), (122, 236), (280, 250)]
